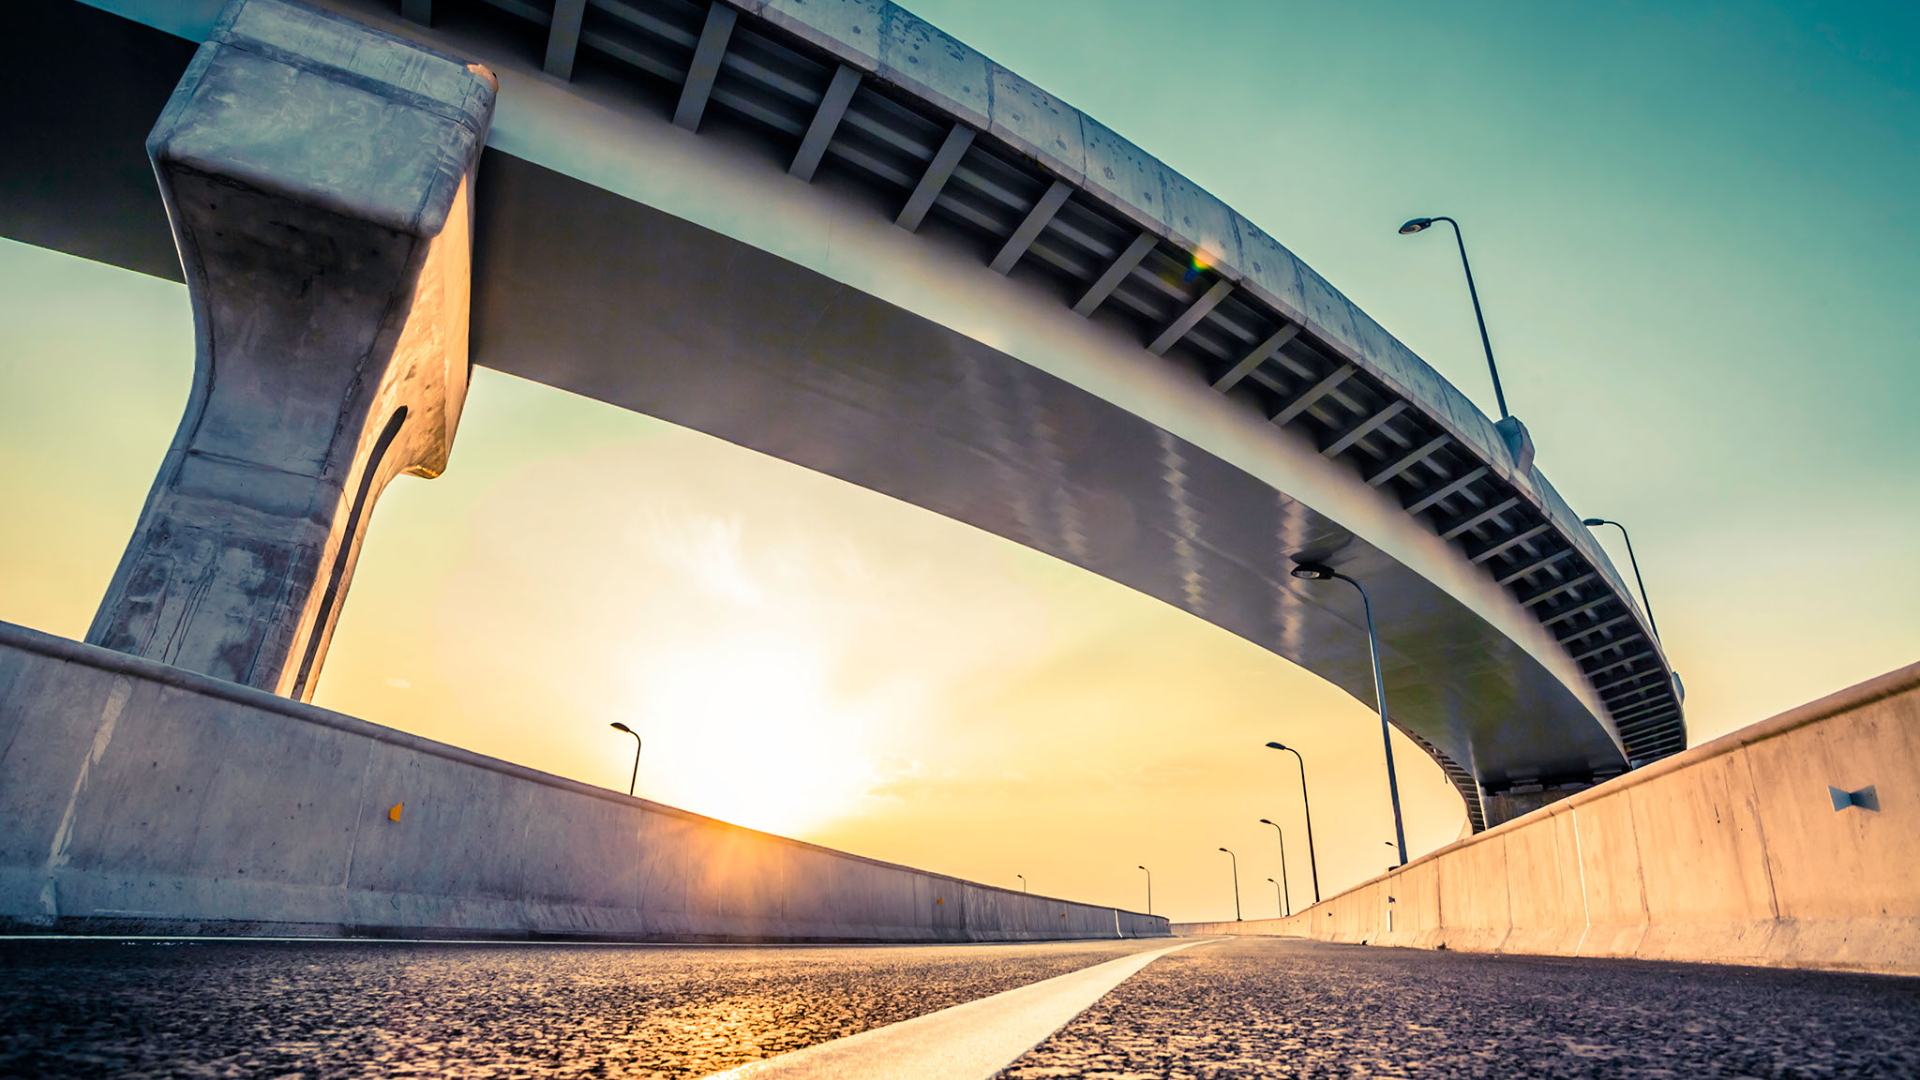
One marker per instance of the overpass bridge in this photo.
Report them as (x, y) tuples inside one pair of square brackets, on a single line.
[(829, 232)]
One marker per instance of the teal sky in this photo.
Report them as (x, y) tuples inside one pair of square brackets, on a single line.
[(1690, 226)]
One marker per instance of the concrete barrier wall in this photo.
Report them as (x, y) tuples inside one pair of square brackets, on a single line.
[(138, 798), (1732, 852)]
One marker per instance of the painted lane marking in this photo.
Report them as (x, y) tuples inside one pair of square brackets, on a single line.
[(965, 1042)]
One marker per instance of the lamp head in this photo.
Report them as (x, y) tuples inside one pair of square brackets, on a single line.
[(618, 726), (1414, 226), (1141, 868), (1313, 571), (1593, 523), (1264, 821), (1228, 852), (1276, 746)]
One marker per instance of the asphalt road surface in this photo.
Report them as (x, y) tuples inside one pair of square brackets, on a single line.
[(1259, 1007), (356, 1009), (1223, 1008)]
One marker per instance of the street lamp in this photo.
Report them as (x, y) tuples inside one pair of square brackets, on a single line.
[(1283, 859), (1594, 523), (1420, 225), (1279, 904), (1149, 890), (1312, 862), (618, 726), (1236, 884), (1319, 572), (1023, 881)]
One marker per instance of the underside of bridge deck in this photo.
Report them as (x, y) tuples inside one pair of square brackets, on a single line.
[(1513, 654)]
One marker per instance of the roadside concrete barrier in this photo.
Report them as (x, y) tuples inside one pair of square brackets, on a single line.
[(137, 798), (1794, 842)]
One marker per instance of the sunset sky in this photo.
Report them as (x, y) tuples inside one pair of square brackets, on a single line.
[(1692, 229)]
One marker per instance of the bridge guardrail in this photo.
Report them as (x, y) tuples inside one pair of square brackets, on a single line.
[(1790, 843)]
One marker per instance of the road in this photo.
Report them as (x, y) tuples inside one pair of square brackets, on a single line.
[(1259, 1007), (1217, 1009)]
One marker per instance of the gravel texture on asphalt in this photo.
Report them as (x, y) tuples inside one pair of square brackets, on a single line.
[(1252, 1007), (355, 1009)]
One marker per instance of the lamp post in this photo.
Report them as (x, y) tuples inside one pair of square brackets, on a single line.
[(618, 726), (1149, 890), (1312, 862), (1236, 884), (1594, 523), (1319, 572), (1288, 904), (1420, 225), (1023, 881), (1278, 903)]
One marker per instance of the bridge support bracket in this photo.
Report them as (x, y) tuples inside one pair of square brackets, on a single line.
[(318, 176)]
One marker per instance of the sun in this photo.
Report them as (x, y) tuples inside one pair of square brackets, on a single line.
[(751, 731)]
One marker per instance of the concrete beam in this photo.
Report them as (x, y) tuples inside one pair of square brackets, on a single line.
[(1458, 483), (1634, 714), (1615, 644), (1115, 273), (1412, 457), (934, 180), (1534, 567), (1255, 358), (1494, 550), (1363, 429), (1031, 227), (1312, 394), (707, 54), (1474, 521), (1605, 624), (318, 178), (826, 120), (563, 37), (1191, 317), (1555, 590), (1571, 612)]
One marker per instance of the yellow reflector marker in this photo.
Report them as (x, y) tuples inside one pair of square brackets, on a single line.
[(394, 814)]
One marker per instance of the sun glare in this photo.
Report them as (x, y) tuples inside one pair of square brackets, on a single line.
[(755, 733), (783, 672)]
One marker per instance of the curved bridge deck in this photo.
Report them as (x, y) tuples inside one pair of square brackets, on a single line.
[(943, 142), (950, 135)]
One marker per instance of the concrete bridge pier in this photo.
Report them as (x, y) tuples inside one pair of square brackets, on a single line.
[(318, 176)]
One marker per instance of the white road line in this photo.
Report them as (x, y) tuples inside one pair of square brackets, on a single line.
[(966, 1042)]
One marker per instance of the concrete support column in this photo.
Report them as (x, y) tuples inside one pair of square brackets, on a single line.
[(1515, 799), (319, 179)]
